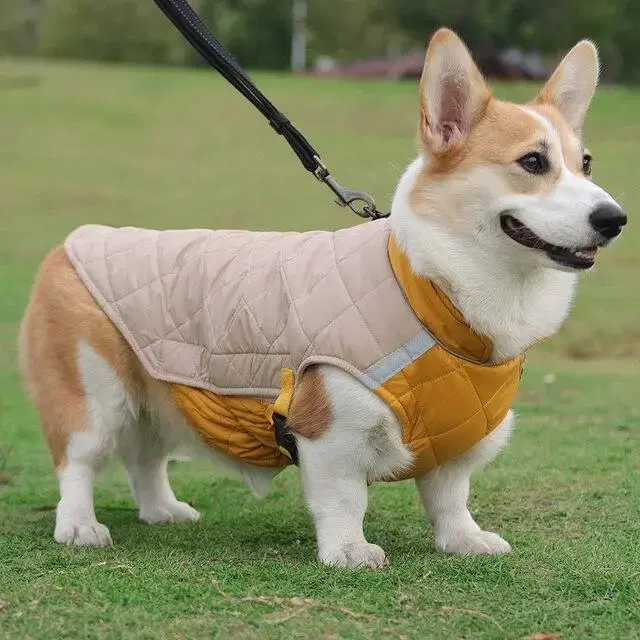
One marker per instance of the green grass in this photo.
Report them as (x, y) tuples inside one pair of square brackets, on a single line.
[(168, 148)]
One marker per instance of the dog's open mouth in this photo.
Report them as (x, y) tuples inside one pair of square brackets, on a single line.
[(581, 258)]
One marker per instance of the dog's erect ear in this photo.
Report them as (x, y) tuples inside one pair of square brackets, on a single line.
[(573, 83), (453, 93)]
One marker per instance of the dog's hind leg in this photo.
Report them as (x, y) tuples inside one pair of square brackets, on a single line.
[(88, 449), (144, 451), (336, 496), (76, 522), (79, 398), (445, 491), (346, 438)]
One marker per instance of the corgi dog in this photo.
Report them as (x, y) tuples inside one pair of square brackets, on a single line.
[(492, 223)]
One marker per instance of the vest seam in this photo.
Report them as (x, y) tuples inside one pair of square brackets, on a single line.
[(166, 297), (423, 382), (422, 420), (292, 302), (482, 406), (461, 322), (354, 305), (210, 351)]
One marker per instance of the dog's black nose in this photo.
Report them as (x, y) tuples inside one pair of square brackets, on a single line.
[(608, 219)]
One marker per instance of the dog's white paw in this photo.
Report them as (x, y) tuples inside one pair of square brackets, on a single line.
[(355, 555), (169, 512), (86, 533), (474, 543)]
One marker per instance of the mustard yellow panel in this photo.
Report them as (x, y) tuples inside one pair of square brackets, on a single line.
[(236, 425)]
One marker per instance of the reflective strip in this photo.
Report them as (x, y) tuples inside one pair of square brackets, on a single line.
[(388, 366)]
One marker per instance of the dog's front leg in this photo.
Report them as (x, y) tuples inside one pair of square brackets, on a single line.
[(336, 495), (445, 491)]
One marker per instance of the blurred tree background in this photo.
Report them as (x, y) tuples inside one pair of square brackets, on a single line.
[(258, 32)]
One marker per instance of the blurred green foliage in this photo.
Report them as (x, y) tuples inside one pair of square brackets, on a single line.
[(118, 30), (258, 32)]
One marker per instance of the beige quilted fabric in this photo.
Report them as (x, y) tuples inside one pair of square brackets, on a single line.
[(226, 310)]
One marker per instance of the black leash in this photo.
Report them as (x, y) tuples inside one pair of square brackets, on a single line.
[(204, 42)]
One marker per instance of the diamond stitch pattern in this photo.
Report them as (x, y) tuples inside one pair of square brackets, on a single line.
[(225, 311)]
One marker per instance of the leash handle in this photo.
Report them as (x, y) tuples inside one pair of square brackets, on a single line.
[(187, 21)]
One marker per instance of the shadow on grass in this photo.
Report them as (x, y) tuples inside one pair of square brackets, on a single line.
[(237, 528)]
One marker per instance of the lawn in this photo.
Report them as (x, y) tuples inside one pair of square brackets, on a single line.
[(176, 148)]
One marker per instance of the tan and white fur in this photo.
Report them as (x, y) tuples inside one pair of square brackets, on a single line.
[(95, 400)]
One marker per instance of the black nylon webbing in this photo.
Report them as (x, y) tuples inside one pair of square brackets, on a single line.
[(205, 43)]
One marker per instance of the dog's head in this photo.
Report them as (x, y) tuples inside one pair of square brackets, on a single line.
[(514, 179)]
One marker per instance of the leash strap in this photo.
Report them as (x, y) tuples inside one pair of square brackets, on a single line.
[(187, 21)]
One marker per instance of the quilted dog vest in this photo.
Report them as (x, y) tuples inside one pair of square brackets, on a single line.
[(221, 314)]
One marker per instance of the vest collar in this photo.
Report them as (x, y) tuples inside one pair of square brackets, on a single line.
[(435, 311)]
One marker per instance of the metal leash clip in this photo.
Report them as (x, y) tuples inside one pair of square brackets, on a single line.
[(362, 204)]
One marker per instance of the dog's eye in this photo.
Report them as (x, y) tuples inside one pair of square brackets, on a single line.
[(586, 164), (535, 163)]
